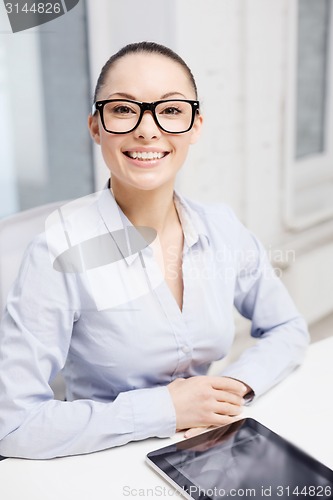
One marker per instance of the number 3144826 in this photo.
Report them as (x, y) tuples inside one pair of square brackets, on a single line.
[(35, 8)]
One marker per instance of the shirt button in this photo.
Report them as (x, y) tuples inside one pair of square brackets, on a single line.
[(186, 349)]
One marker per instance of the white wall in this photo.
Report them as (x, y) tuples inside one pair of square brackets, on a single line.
[(239, 52)]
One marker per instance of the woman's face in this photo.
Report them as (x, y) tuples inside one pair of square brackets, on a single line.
[(147, 78)]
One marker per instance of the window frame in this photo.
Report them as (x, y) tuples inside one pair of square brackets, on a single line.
[(306, 178)]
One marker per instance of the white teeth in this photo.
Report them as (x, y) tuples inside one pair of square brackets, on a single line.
[(145, 155)]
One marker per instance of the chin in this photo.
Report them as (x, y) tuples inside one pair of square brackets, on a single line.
[(150, 184)]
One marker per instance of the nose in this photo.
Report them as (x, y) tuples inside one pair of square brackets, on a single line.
[(147, 128)]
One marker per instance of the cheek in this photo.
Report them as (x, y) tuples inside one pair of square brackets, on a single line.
[(182, 146), (110, 146), (110, 152)]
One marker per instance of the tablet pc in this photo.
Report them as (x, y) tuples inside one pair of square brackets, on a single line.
[(242, 460)]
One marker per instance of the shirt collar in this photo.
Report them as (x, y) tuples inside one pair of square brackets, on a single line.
[(115, 219), (192, 225)]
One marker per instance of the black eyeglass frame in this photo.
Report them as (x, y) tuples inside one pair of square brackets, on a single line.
[(145, 106)]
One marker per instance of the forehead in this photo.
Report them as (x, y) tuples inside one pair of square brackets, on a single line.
[(147, 77)]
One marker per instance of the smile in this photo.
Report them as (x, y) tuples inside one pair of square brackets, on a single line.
[(146, 155)]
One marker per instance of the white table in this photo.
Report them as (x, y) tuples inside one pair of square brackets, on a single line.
[(300, 409)]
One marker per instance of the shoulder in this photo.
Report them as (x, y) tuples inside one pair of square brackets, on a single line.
[(216, 218), (212, 210), (224, 230), (67, 226)]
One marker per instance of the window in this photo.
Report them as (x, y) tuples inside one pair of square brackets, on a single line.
[(45, 95), (309, 137)]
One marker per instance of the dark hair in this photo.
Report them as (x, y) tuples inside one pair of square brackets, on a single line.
[(141, 48)]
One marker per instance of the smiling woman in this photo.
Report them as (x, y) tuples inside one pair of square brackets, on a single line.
[(135, 327), (135, 112)]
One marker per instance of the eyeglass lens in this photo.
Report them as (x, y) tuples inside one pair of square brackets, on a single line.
[(123, 116)]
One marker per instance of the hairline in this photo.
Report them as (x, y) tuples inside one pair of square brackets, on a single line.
[(149, 48), (114, 63)]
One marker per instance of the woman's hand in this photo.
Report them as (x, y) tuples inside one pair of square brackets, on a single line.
[(205, 401)]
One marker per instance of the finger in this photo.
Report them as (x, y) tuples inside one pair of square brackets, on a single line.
[(195, 431), (229, 384), (228, 397), (217, 419), (227, 409)]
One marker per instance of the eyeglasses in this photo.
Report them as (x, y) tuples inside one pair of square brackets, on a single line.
[(121, 116)]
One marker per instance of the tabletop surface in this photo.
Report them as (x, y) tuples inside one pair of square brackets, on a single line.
[(300, 409)]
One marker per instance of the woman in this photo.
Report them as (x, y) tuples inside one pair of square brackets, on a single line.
[(136, 333)]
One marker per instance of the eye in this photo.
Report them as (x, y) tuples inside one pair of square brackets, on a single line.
[(171, 110), (122, 110)]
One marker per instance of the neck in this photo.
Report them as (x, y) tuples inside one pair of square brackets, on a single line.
[(152, 208)]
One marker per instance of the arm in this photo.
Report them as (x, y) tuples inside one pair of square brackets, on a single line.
[(281, 332), (35, 336)]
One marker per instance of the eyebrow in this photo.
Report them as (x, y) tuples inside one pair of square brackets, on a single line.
[(132, 98)]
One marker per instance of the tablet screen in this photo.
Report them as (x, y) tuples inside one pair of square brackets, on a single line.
[(244, 459)]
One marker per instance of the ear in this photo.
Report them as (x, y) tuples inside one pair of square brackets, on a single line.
[(93, 126), (196, 129)]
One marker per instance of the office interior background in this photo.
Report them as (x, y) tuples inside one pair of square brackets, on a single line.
[(264, 70)]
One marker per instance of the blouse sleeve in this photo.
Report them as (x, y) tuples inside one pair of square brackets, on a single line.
[(281, 331), (35, 336)]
